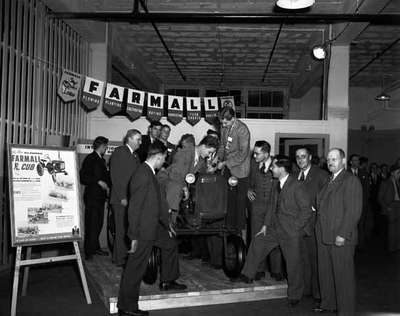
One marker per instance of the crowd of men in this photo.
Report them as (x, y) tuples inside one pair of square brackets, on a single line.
[(311, 217)]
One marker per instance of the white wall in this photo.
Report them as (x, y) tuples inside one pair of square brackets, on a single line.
[(114, 128), (307, 107)]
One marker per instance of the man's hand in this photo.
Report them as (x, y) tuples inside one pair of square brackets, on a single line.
[(263, 231), (339, 241), (103, 185), (171, 231), (251, 195), (221, 165), (134, 245), (124, 202)]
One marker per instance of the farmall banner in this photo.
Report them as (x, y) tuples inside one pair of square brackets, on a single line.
[(211, 109), (193, 107), (135, 104), (69, 86), (44, 195), (155, 106), (113, 99), (175, 109), (92, 92)]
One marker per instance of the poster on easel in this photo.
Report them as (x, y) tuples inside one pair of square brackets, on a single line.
[(44, 195)]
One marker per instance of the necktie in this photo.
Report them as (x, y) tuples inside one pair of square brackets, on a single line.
[(262, 168), (302, 177)]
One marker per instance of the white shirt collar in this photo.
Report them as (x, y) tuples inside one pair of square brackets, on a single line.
[(265, 164), (130, 148), (196, 157), (337, 173), (98, 154), (305, 172), (152, 169), (283, 180)]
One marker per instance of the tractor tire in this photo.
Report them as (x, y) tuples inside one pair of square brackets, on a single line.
[(234, 256), (40, 169)]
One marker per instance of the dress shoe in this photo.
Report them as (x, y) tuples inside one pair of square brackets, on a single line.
[(137, 312), (101, 252), (242, 278), (323, 310), (293, 303), (259, 276), (172, 286)]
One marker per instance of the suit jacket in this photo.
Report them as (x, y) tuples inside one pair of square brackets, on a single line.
[(93, 170), (262, 183), (313, 183), (123, 165), (339, 207), (144, 147), (292, 209), (235, 149), (174, 175), (146, 208), (386, 194)]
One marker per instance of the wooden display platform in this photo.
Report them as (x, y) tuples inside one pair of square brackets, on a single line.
[(206, 286)]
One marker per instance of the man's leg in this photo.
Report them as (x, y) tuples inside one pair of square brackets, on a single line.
[(132, 277), (291, 252), (169, 270), (326, 280), (343, 267), (120, 247), (89, 246), (99, 221), (259, 248), (275, 262)]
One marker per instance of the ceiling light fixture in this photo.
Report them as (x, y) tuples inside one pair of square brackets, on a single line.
[(294, 4), (319, 52), (382, 97)]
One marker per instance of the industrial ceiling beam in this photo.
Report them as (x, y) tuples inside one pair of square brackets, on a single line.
[(227, 18)]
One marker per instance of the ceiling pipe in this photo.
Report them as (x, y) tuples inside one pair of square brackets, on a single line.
[(143, 4), (272, 52), (227, 18)]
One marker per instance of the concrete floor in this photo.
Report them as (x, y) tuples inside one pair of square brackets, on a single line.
[(56, 290)]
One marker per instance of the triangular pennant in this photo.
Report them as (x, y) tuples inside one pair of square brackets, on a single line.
[(135, 103), (69, 86), (92, 92), (155, 106), (211, 109), (175, 109), (113, 99), (193, 108)]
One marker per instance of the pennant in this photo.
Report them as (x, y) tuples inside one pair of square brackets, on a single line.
[(227, 101), (175, 109), (69, 86), (113, 99), (155, 106), (193, 108), (134, 104), (92, 92), (211, 109)]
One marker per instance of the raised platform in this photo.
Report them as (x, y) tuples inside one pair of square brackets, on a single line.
[(206, 286)]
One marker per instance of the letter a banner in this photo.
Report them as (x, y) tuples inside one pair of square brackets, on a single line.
[(193, 107), (113, 99), (211, 109), (92, 92), (69, 86), (134, 104), (155, 106), (175, 109)]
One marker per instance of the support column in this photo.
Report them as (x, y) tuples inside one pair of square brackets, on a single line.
[(338, 96)]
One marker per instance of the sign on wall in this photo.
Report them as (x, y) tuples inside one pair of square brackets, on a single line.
[(44, 195)]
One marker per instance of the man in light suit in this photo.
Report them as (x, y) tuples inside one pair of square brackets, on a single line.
[(234, 158), (123, 164), (339, 207), (148, 227), (313, 179), (284, 226)]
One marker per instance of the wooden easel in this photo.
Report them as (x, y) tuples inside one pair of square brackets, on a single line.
[(29, 262)]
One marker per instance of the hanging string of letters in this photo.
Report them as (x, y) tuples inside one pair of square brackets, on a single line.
[(114, 98)]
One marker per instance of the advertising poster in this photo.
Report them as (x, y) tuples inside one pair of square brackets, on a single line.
[(44, 195)]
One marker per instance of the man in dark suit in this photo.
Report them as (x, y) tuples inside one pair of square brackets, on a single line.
[(152, 137), (164, 135), (94, 175), (123, 164), (366, 221), (284, 226), (313, 179), (339, 207), (234, 157), (259, 195), (148, 227)]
